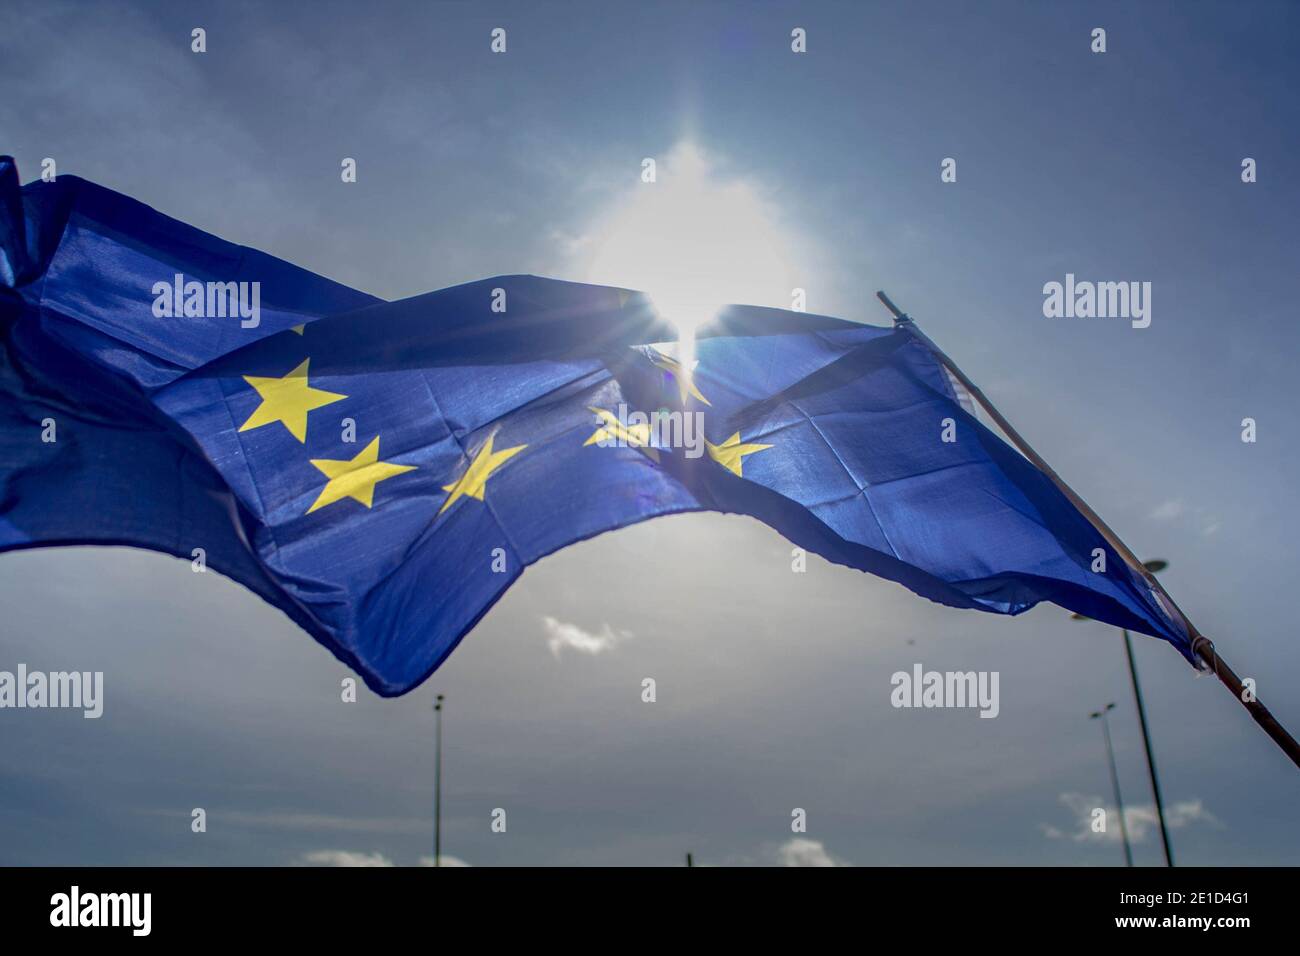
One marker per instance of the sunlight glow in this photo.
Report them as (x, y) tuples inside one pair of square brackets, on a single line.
[(694, 240)]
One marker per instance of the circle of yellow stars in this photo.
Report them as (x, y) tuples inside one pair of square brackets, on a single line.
[(290, 398)]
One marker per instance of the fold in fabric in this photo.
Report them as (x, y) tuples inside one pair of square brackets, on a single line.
[(382, 472)]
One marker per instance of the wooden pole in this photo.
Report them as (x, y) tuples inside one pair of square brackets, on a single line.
[(1202, 647)]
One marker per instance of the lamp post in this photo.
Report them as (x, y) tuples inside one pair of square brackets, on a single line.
[(437, 786), (1114, 779), (1154, 566)]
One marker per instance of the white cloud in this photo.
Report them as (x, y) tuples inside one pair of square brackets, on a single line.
[(344, 858), (357, 858), (560, 636), (804, 852), (1141, 819), (1175, 510), (1168, 510)]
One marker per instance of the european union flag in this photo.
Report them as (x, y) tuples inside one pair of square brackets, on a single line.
[(382, 472)]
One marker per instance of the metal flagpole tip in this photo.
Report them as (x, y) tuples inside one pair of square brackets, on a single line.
[(899, 315)]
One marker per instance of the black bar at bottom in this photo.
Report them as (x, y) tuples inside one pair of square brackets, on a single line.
[(388, 905)]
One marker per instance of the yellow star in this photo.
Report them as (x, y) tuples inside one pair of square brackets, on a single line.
[(685, 378), (474, 481), (355, 479), (287, 400), (635, 436), (731, 453), (300, 329)]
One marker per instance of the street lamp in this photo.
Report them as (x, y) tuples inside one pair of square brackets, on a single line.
[(1114, 779), (1154, 566), (437, 787)]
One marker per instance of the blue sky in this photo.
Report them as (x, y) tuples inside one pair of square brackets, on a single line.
[(774, 688)]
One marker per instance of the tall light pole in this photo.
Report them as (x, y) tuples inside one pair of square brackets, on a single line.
[(437, 787), (1146, 742), (1154, 566), (1114, 779)]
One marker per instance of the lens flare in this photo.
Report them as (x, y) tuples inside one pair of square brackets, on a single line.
[(693, 240)]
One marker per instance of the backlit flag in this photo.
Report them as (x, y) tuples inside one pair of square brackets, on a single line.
[(382, 472)]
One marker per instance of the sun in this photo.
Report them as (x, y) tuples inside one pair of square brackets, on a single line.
[(694, 240)]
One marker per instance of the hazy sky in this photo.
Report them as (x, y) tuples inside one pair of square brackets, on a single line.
[(773, 687)]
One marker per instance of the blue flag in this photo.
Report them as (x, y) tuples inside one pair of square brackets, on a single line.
[(382, 472)]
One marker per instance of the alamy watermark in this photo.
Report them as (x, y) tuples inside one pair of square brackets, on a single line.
[(208, 300), (922, 688), (78, 690), (1102, 300), (130, 910), (659, 429)]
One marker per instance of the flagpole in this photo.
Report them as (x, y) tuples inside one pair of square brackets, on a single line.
[(1202, 646)]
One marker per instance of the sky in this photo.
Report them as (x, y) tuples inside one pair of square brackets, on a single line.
[(818, 170)]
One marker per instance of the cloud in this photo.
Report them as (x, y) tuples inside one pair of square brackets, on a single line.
[(1174, 509), (357, 858), (344, 858), (1168, 510), (804, 852), (1141, 820), (560, 636)]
